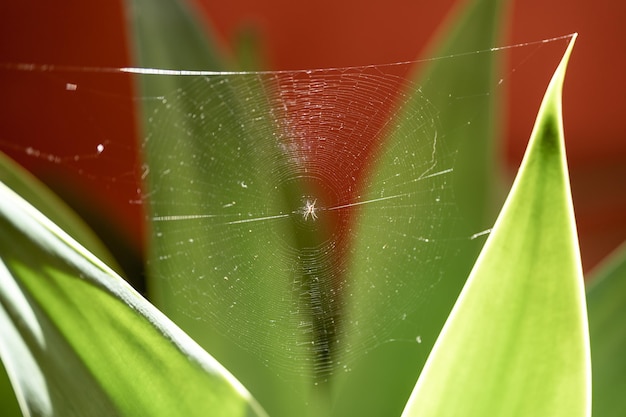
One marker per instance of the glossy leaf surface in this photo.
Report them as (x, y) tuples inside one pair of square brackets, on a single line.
[(516, 342), (72, 326)]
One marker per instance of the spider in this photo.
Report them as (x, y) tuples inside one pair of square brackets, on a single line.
[(309, 210)]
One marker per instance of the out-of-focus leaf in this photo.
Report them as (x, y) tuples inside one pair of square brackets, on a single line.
[(166, 36), (8, 402), (465, 91), (516, 342), (208, 164), (606, 302), (77, 340), (249, 50), (457, 99)]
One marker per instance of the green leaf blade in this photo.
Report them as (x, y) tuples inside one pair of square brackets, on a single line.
[(72, 326), (27, 186), (456, 95), (516, 342), (197, 153), (606, 301)]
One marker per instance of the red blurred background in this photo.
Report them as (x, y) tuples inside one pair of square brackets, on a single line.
[(295, 36)]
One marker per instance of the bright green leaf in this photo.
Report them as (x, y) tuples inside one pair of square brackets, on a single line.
[(606, 302), (234, 262), (23, 182), (78, 340), (516, 342)]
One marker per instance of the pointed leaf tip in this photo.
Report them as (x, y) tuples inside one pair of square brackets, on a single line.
[(516, 342)]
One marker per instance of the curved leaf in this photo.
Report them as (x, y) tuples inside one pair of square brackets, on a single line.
[(78, 340), (606, 301), (23, 183), (516, 342), (45, 201)]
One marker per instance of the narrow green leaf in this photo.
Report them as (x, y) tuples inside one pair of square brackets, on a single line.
[(166, 36), (23, 183), (516, 342), (78, 340), (606, 302), (249, 50)]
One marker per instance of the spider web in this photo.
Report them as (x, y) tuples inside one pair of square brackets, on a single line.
[(300, 221), (273, 235)]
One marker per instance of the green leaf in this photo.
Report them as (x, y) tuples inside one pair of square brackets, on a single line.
[(206, 156), (213, 263), (516, 342), (606, 302), (78, 340), (420, 257), (166, 36), (23, 182)]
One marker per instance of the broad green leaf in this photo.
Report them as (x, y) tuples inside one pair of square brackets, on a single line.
[(421, 256), (38, 195), (516, 342), (210, 158), (606, 302), (78, 340), (466, 92)]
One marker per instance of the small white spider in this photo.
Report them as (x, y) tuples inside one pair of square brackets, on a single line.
[(309, 210)]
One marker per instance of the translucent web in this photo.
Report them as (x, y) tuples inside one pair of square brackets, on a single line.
[(298, 219)]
